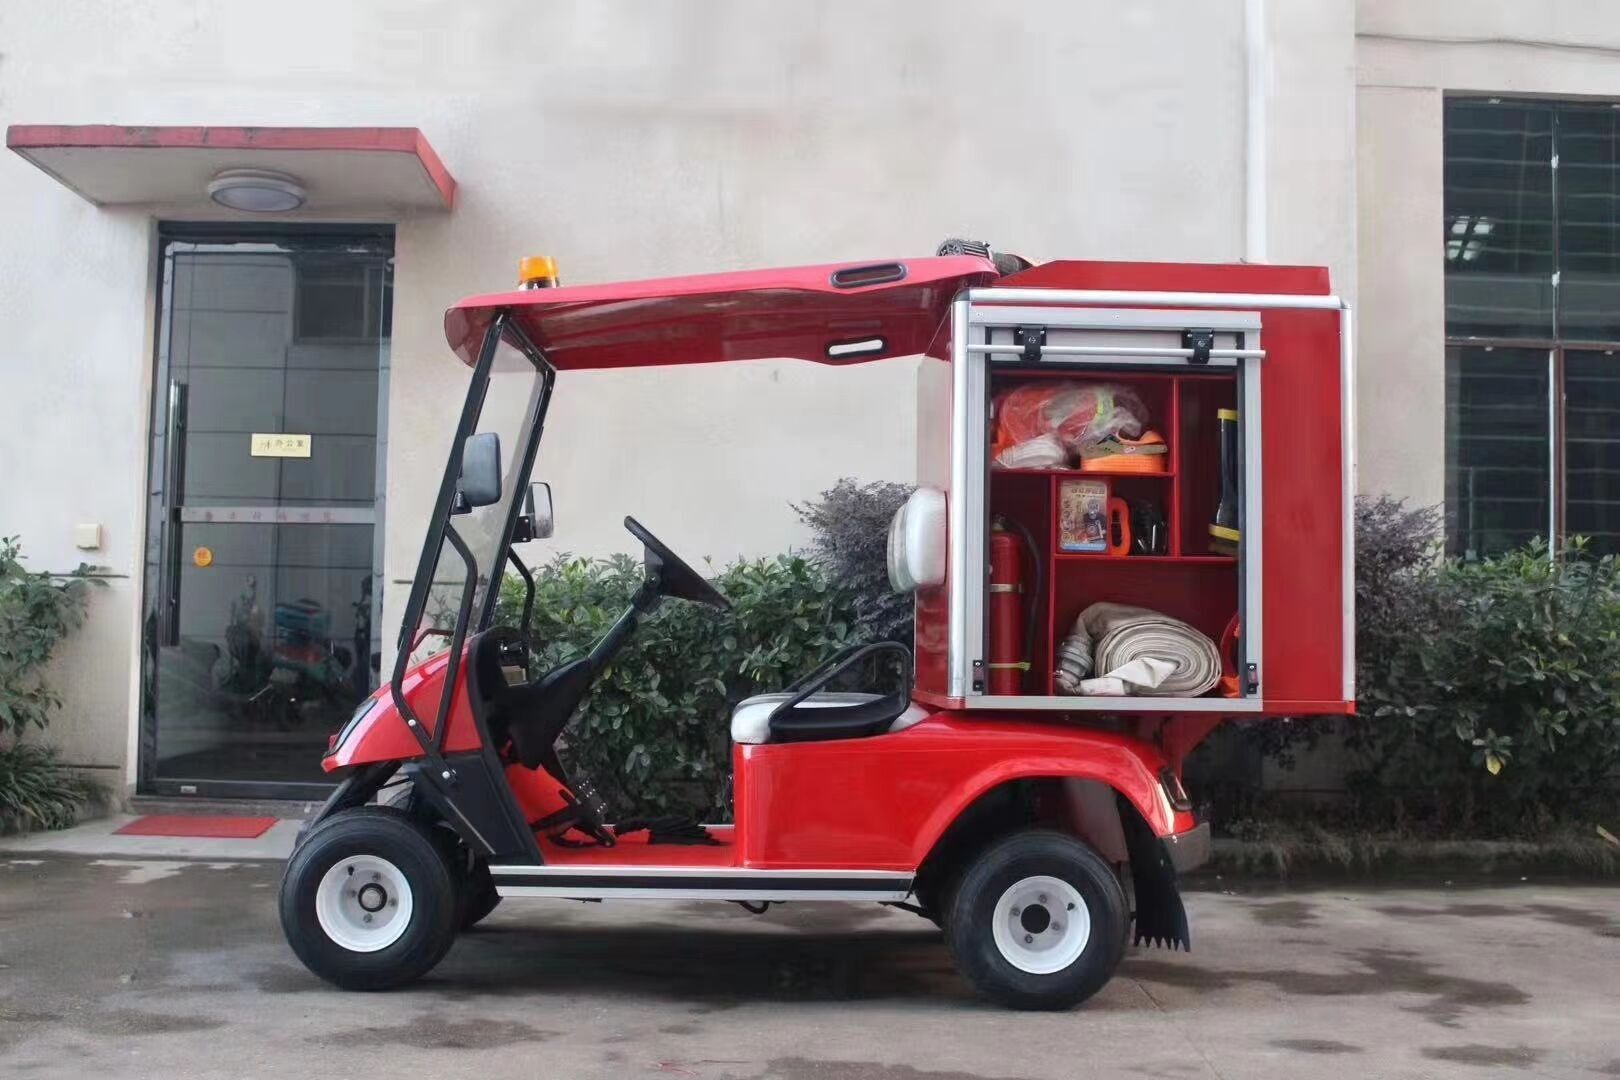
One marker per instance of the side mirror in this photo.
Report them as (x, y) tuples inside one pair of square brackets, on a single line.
[(536, 521), (538, 508), (480, 472)]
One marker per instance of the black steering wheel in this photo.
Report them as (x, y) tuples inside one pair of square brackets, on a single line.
[(675, 578)]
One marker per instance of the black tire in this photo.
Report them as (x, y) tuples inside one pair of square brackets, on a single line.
[(478, 895), (377, 832), (475, 888), (1016, 862)]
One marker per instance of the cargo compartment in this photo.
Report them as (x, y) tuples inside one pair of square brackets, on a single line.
[(1172, 567)]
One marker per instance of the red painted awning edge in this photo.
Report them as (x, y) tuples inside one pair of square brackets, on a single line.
[(22, 138)]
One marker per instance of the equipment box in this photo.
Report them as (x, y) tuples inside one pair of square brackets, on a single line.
[(1167, 441)]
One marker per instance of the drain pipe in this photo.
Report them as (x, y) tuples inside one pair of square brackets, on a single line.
[(1254, 135)]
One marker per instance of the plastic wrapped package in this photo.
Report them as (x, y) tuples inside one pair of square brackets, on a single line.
[(1045, 423)]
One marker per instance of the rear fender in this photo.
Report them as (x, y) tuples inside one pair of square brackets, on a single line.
[(1102, 787), (1128, 767)]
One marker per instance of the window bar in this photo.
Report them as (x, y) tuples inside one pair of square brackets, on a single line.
[(1555, 486)]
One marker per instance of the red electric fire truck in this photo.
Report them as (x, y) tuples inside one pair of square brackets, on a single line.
[(1035, 818)]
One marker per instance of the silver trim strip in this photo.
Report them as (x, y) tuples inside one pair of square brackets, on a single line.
[(976, 505), (756, 895), (1150, 363), (1092, 318), (1099, 297), (277, 515), (1056, 703), (956, 683), (1252, 423), (1120, 350), (1125, 353), (740, 872)]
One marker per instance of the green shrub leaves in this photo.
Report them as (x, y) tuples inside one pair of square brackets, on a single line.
[(37, 611), (1489, 692), (653, 734)]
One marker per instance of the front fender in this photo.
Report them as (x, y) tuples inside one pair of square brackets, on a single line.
[(378, 732)]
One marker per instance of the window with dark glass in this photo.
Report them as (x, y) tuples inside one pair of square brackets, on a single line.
[(1532, 264)]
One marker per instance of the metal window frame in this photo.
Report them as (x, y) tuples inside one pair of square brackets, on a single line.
[(1557, 344), (977, 312), (163, 513), (1556, 406)]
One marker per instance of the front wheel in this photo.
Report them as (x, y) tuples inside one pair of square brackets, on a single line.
[(367, 901), (476, 896), (1037, 921)]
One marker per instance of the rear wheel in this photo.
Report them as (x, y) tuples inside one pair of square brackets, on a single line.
[(1037, 921), (367, 901)]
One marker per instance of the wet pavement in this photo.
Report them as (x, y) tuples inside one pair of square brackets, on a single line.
[(128, 967)]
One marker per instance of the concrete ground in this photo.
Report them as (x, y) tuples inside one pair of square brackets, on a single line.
[(120, 966)]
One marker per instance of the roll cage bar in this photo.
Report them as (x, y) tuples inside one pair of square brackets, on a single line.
[(441, 531)]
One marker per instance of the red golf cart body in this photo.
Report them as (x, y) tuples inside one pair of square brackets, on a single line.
[(884, 817)]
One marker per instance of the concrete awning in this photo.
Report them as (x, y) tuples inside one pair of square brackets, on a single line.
[(353, 170)]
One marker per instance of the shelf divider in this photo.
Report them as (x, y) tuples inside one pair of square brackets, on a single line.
[(1172, 513)]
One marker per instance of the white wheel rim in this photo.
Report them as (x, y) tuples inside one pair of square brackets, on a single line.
[(1041, 925), (363, 903)]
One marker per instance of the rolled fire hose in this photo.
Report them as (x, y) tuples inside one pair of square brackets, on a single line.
[(1116, 649)]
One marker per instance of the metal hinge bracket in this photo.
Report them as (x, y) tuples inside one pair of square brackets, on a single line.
[(1031, 339), (1200, 340)]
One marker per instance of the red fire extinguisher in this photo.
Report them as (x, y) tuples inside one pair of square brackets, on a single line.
[(1012, 618)]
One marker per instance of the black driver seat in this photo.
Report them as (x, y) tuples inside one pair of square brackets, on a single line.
[(529, 714)]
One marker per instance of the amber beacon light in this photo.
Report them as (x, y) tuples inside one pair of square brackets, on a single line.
[(537, 272)]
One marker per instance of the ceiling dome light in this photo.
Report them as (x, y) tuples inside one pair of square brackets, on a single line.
[(258, 191)]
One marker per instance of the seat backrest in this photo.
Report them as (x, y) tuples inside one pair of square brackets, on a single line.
[(820, 717), (530, 714), (537, 712)]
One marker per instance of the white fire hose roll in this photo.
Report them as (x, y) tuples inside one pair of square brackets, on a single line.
[(1116, 649)]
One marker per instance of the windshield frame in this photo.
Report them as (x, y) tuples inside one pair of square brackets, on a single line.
[(441, 530), (534, 424)]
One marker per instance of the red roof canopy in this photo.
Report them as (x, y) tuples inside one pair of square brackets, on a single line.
[(797, 312)]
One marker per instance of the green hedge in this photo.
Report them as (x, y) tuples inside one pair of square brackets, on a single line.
[(654, 733), (37, 611), (1489, 692)]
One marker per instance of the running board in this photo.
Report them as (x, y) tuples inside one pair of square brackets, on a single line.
[(699, 883)]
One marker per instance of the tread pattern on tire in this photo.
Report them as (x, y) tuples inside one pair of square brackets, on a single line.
[(390, 833), (1022, 854)]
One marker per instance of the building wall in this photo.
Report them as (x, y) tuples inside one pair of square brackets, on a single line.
[(635, 140), (1408, 57)]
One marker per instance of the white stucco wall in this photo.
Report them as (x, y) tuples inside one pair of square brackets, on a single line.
[(630, 140), (627, 141)]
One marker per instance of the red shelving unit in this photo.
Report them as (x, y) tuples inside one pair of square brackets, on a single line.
[(1189, 582)]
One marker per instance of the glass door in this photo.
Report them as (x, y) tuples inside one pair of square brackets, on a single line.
[(263, 586)]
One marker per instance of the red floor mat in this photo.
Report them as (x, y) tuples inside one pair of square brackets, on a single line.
[(227, 828)]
